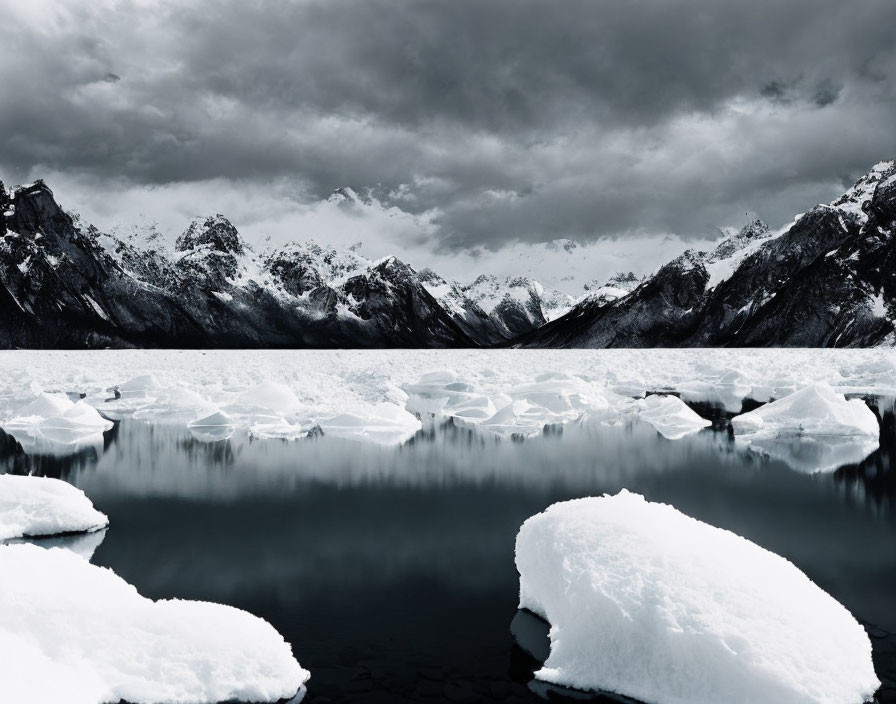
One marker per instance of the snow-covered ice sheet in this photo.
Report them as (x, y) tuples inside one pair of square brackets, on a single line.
[(814, 429), (35, 506), (649, 603), (387, 396), (76, 633)]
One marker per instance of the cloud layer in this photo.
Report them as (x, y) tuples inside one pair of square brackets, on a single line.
[(495, 121)]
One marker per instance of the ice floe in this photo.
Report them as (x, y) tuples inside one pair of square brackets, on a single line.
[(374, 395), (384, 424), (213, 427), (670, 416), (36, 506), (649, 603), (74, 632), (814, 429), (54, 424)]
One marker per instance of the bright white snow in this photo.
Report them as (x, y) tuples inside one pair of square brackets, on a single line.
[(649, 603), (814, 429), (76, 633), (387, 396), (55, 424), (670, 416), (34, 506)]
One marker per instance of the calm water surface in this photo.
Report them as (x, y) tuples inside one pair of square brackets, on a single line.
[(391, 571)]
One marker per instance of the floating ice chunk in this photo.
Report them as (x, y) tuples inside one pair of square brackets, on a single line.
[(174, 405), (521, 410), (65, 623), (814, 410), (45, 406), (139, 387), (670, 416), (79, 425), (34, 506), (55, 425), (652, 604), (277, 430), (814, 429), (213, 427), (384, 424), (269, 396)]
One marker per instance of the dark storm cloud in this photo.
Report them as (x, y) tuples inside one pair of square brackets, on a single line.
[(512, 118)]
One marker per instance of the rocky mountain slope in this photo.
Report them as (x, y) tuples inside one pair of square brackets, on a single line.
[(827, 279)]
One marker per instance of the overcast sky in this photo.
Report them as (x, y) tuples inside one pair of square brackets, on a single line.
[(474, 125)]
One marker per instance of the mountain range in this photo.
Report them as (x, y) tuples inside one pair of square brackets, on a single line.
[(826, 279)]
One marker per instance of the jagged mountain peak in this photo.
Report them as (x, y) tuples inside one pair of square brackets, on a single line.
[(215, 232), (752, 232), (428, 276), (853, 202), (617, 286), (345, 195)]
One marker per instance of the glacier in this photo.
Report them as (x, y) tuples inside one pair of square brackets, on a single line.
[(646, 602)]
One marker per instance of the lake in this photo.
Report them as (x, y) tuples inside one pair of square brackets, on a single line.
[(391, 569)]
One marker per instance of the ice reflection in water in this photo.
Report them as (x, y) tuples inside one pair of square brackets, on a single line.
[(391, 569)]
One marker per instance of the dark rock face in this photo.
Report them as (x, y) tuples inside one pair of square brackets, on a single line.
[(295, 271), (829, 280), (466, 312), (391, 299), (59, 287)]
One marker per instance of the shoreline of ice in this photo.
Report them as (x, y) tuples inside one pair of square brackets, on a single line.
[(386, 397)]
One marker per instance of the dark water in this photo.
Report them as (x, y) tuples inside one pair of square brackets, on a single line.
[(391, 571)]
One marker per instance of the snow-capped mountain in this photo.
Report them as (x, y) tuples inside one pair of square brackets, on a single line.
[(67, 286), (824, 280), (518, 304), (619, 285)]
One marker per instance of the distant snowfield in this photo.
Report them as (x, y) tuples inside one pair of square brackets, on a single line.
[(386, 396)]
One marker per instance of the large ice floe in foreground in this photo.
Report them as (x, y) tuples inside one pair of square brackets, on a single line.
[(814, 429), (54, 424), (38, 506), (76, 633), (649, 603)]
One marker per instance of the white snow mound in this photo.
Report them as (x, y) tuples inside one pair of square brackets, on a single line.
[(33, 506), (813, 430), (74, 632), (54, 424), (814, 410), (670, 416), (649, 603)]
